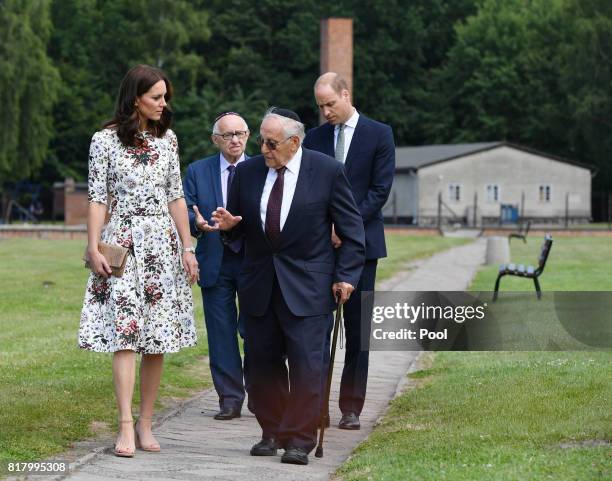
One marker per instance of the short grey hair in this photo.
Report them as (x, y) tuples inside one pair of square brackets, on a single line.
[(290, 127), (215, 129)]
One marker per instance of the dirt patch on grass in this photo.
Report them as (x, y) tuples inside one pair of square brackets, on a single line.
[(99, 427), (422, 373)]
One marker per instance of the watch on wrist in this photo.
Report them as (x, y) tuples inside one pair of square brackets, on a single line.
[(189, 249)]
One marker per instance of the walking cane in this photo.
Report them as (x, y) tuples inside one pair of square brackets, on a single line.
[(319, 451)]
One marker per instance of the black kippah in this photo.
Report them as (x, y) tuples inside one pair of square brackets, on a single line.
[(223, 114), (290, 114)]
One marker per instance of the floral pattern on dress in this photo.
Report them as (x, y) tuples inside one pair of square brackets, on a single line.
[(150, 308)]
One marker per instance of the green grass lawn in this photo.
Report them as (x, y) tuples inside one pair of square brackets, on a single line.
[(574, 264), (504, 415), (51, 392)]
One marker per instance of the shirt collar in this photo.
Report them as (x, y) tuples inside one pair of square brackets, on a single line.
[(223, 163), (293, 165), (352, 121)]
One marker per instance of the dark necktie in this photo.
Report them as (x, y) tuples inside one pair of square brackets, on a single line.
[(236, 245), (273, 211), (232, 170)]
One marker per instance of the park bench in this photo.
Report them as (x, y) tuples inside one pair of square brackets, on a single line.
[(528, 272), (522, 233)]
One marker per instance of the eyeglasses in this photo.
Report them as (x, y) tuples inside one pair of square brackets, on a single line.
[(241, 134), (271, 144)]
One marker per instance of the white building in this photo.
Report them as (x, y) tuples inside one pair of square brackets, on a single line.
[(477, 184)]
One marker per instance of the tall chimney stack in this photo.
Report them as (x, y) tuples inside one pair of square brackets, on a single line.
[(337, 49)]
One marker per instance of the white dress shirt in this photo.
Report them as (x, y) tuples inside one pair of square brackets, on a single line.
[(349, 130), (291, 177), (223, 163)]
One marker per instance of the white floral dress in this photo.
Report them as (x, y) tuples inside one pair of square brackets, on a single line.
[(150, 308)]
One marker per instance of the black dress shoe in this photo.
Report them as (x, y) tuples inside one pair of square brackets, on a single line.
[(349, 421), (265, 447), (294, 456), (225, 414)]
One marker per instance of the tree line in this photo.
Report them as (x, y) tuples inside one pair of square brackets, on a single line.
[(534, 72)]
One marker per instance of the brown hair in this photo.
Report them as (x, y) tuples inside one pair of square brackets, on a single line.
[(137, 82)]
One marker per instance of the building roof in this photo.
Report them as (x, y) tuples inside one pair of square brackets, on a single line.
[(413, 158)]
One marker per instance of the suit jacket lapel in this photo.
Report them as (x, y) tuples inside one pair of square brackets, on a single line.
[(215, 173), (328, 147), (294, 217), (354, 141)]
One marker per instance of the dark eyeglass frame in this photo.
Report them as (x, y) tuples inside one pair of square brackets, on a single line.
[(271, 144), (241, 134)]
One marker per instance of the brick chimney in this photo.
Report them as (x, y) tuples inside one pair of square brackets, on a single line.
[(337, 49)]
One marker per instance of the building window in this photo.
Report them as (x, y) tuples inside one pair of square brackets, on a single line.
[(454, 192), (492, 191), (544, 193)]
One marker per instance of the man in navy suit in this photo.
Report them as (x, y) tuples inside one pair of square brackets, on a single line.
[(284, 203), (367, 150), (206, 186)]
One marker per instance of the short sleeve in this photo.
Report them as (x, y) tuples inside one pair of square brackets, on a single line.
[(174, 186), (98, 168)]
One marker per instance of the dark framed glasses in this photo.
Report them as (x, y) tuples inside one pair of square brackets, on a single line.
[(240, 134), (271, 144)]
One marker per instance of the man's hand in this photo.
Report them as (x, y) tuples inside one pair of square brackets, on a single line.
[(342, 291), (336, 242), (224, 220), (201, 223)]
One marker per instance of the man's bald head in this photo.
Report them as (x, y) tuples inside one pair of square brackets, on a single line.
[(230, 135), (334, 80)]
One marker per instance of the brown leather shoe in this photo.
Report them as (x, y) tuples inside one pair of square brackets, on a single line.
[(349, 421)]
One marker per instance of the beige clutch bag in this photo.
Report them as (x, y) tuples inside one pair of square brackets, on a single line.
[(116, 256)]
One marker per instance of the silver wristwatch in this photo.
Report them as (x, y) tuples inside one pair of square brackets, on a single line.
[(189, 249)]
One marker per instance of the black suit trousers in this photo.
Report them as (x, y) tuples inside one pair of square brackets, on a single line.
[(357, 325), (286, 367)]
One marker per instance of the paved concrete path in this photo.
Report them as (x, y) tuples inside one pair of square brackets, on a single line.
[(471, 233), (195, 446)]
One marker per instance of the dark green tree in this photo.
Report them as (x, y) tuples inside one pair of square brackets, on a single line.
[(586, 79), (94, 43), (28, 87), (534, 72)]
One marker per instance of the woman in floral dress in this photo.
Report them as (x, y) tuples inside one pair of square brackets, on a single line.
[(134, 173)]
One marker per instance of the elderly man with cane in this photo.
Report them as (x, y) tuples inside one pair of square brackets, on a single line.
[(283, 204)]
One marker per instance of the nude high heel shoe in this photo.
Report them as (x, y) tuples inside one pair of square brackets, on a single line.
[(124, 453), (151, 448)]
